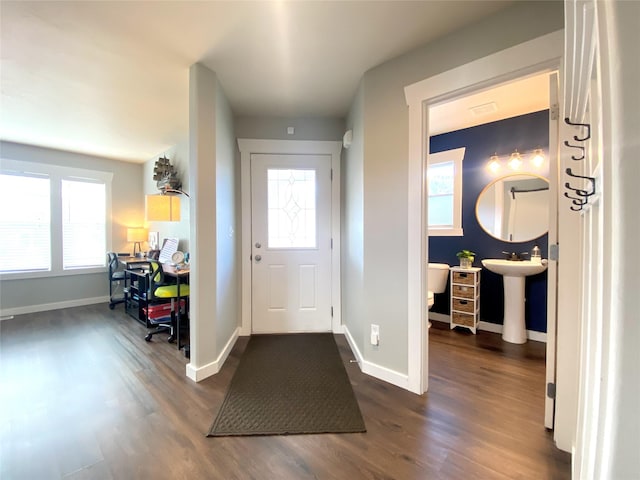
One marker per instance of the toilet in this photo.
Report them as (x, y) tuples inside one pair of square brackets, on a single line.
[(438, 275)]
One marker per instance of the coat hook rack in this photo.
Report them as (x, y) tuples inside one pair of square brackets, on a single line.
[(573, 157), (582, 195), (578, 203), (583, 125)]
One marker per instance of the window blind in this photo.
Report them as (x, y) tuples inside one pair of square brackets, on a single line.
[(83, 224), (25, 223)]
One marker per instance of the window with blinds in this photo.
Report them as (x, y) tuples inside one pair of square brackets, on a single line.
[(25, 223), (83, 224), (53, 219)]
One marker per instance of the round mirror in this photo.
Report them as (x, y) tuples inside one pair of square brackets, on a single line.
[(514, 208)]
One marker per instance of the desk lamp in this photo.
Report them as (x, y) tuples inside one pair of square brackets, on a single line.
[(136, 236)]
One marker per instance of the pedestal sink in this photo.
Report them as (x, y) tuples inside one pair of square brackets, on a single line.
[(514, 330)]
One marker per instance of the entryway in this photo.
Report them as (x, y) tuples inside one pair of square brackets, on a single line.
[(290, 236)]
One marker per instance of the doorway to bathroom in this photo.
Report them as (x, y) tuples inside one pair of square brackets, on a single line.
[(505, 207), (539, 56)]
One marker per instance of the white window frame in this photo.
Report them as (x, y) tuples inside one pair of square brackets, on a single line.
[(456, 156), (56, 174)]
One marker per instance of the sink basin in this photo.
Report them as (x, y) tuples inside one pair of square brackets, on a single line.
[(510, 268), (514, 329)]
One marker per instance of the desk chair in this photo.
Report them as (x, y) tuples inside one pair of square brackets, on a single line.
[(160, 292), (116, 275)]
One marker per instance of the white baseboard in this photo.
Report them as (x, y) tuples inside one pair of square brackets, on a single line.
[(43, 307), (198, 374), (439, 317), (490, 327), (381, 373)]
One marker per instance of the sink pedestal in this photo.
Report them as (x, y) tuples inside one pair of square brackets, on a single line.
[(513, 274), (514, 329)]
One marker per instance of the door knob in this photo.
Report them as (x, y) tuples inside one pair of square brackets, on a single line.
[(258, 258), (258, 244)]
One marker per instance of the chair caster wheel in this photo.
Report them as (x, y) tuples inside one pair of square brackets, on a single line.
[(148, 337), (171, 339), (112, 306)]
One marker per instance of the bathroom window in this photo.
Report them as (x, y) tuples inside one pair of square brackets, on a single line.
[(444, 189)]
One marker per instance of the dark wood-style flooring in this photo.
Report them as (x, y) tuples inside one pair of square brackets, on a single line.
[(83, 396)]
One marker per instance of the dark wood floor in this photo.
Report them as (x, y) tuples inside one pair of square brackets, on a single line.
[(83, 396)]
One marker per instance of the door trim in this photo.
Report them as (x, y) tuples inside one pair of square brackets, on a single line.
[(534, 56), (247, 147)]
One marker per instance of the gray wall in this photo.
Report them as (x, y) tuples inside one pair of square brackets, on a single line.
[(384, 163), (227, 221), (213, 171), (179, 156), (352, 262), (275, 128), (127, 211)]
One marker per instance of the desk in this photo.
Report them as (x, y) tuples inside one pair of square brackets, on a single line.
[(131, 263), (180, 275)]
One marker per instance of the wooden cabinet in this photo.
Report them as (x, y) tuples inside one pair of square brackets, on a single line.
[(465, 297)]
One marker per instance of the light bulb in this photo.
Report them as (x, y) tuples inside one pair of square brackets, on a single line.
[(494, 164), (538, 158), (515, 162)]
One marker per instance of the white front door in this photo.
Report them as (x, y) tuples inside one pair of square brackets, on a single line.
[(291, 243)]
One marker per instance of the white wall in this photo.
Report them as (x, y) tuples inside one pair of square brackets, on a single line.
[(23, 296), (621, 79), (385, 162)]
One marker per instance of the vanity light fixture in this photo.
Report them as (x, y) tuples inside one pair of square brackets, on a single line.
[(515, 161)]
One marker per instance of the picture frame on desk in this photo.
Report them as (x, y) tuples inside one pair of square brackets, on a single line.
[(154, 240)]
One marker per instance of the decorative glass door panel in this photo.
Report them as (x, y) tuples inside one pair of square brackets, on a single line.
[(291, 208)]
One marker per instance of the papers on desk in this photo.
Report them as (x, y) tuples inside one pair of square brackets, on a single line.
[(169, 247)]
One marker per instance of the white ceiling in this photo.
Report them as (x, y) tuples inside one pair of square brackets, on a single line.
[(111, 78), (526, 95)]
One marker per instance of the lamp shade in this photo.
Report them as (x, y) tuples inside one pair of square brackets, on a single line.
[(135, 235), (162, 208)]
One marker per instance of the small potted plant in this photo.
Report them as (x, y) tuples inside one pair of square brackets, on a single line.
[(466, 258)]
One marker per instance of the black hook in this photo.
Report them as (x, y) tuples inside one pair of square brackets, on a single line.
[(566, 142), (583, 125), (579, 191), (579, 202)]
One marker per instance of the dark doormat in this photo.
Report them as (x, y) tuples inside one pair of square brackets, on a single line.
[(289, 384)]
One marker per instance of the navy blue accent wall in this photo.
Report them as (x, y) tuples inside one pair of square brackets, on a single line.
[(526, 132)]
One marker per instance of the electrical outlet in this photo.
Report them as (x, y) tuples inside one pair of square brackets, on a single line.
[(375, 335)]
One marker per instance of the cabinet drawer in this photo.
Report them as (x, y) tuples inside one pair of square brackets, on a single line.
[(462, 319), (463, 305), (463, 277), (463, 292)]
